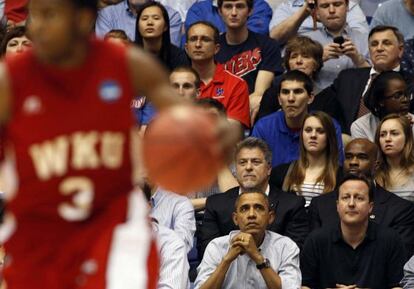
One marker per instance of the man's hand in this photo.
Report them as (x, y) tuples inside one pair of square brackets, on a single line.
[(349, 49), (310, 6), (233, 253), (248, 245), (331, 51)]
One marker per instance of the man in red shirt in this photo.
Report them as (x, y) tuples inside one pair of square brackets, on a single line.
[(232, 91)]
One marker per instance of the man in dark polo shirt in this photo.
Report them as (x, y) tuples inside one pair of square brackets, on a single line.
[(389, 209), (356, 253), (249, 55)]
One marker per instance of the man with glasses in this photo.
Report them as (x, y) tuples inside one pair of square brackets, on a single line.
[(217, 83), (385, 45)]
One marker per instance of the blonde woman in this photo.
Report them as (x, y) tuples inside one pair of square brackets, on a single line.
[(395, 171), (315, 172)]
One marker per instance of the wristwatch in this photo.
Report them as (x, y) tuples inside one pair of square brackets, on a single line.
[(265, 264)]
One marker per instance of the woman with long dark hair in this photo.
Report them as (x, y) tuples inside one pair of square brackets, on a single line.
[(153, 35)]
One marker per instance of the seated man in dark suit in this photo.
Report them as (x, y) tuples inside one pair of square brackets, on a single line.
[(385, 45), (253, 166), (389, 209)]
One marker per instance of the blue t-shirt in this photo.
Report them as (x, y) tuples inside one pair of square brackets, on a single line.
[(284, 142)]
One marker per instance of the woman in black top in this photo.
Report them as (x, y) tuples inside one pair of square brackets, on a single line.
[(153, 35)]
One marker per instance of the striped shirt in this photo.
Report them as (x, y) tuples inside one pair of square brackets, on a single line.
[(175, 212), (310, 190), (174, 264), (405, 191)]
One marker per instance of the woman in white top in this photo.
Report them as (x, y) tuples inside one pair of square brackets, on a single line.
[(395, 170), (388, 94)]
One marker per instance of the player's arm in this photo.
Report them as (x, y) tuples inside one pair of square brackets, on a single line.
[(149, 78), (5, 97)]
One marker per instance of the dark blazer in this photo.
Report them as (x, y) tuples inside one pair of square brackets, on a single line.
[(347, 88), (291, 218), (278, 174), (389, 210)]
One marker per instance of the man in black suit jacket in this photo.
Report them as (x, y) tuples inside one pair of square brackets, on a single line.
[(386, 48), (253, 167), (389, 209)]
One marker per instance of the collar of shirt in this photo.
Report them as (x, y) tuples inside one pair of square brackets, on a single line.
[(156, 197), (284, 128), (266, 191), (218, 77), (345, 32), (128, 9), (369, 236), (374, 72)]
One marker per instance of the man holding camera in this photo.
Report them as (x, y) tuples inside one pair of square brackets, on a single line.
[(344, 47)]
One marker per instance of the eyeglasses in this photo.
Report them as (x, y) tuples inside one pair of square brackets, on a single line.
[(399, 95)]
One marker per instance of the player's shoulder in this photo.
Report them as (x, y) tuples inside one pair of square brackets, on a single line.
[(106, 49)]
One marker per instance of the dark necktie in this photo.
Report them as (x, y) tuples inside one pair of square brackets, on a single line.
[(363, 110)]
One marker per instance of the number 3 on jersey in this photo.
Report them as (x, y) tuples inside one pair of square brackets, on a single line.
[(82, 191)]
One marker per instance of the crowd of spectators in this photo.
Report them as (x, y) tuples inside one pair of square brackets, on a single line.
[(320, 190)]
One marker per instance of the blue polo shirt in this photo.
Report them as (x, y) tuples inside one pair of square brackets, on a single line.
[(284, 142)]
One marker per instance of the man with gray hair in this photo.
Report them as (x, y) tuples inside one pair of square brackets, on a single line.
[(253, 165)]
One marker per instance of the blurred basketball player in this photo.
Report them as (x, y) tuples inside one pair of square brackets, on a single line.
[(66, 108)]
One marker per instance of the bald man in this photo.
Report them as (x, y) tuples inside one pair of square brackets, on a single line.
[(389, 209)]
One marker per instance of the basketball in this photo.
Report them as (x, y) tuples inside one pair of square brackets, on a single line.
[(181, 150)]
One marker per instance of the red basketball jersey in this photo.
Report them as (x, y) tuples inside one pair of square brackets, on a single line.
[(71, 132)]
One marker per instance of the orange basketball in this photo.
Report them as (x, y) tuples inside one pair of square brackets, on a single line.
[(181, 150)]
